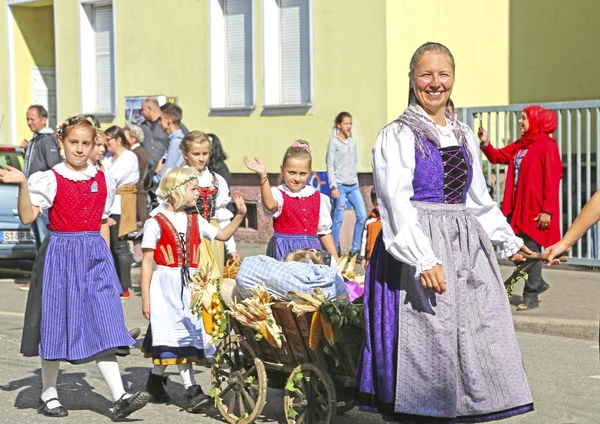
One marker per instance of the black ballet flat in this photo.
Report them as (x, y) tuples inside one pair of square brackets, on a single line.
[(57, 412)]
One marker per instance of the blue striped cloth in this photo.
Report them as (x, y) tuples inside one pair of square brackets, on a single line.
[(281, 277)]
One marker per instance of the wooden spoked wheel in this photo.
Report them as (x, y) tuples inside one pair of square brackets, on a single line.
[(309, 396), (239, 381)]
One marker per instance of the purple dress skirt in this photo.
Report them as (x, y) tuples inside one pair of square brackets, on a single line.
[(450, 358), (282, 245), (74, 311)]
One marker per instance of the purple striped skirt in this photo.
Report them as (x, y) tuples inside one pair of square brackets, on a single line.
[(81, 308)]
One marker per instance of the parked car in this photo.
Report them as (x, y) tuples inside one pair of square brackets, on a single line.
[(17, 242)]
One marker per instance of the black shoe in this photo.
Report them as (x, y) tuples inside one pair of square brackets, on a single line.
[(135, 332), (352, 254), (125, 407), (155, 386), (543, 287), (196, 399), (527, 305), (56, 412)]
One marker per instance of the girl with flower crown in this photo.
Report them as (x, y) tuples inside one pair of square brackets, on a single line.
[(301, 215), (73, 312), (172, 240)]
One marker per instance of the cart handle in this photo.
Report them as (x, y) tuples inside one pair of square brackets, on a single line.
[(543, 256)]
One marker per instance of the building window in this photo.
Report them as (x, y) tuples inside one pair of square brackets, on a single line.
[(231, 54), (251, 219), (287, 52), (97, 58)]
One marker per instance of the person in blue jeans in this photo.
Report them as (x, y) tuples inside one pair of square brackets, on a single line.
[(342, 161)]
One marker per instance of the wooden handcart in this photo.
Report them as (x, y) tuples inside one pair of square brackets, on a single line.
[(317, 383)]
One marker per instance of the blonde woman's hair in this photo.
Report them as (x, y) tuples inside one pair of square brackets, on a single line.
[(303, 255), (173, 183), (194, 137)]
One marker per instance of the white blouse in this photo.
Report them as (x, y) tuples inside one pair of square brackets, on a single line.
[(152, 232), (222, 214), (324, 226), (393, 172), (42, 186), (124, 170)]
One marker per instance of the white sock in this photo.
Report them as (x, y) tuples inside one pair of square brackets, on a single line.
[(159, 369), (49, 376), (186, 371), (109, 368)]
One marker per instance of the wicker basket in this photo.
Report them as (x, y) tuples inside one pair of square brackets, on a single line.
[(231, 268)]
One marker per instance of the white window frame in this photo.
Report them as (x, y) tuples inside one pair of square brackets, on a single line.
[(272, 84), (219, 103), (87, 58)]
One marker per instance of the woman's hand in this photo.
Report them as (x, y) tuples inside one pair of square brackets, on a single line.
[(543, 220), (256, 166), (146, 308), (235, 256), (363, 264), (518, 257), (335, 193), (434, 279), (238, 199), (111, 222), (483, 136), (10, 175), (159, 167), (556, 250)]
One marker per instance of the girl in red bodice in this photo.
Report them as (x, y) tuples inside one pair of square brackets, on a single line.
[(172, 240)]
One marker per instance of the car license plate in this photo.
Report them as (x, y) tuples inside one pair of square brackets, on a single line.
[(16, 237)]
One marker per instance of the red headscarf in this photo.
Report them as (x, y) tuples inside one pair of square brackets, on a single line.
[(548, 122), (535, 116)]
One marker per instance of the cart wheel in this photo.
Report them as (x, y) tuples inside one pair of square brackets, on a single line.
[(344, 406), (239, 381), (309, 396)]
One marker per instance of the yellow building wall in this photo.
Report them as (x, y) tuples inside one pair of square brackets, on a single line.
[(164, 50), (4, 83), (554, 50), (33, 47), (475, 31)]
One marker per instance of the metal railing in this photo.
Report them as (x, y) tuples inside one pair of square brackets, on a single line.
[(578, 139)]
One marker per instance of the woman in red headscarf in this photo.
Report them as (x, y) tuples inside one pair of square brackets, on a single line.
[(531, 201)]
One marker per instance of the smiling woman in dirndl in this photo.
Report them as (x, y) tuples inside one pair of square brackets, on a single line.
[(440, 346)]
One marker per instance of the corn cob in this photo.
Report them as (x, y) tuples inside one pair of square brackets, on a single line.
[(207, 320), (268, 337), (327, 329), (315, 331)]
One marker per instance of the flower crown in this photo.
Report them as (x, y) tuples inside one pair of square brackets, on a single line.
[(73, 120), (182, 183)]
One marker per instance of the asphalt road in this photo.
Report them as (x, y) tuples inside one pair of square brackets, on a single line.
[(564, 375)]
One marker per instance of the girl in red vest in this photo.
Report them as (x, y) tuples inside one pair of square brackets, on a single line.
[(172, 239), (301, 215), (531, 201), (73, 312)]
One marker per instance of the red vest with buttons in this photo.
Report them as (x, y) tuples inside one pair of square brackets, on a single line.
[(78, 205), (169, 249), (300, 215)]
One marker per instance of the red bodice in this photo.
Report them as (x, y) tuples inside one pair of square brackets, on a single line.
[(169, 249), (78, 205), (300, 215)]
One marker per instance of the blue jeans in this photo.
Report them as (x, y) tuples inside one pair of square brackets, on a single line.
[(349, 194)]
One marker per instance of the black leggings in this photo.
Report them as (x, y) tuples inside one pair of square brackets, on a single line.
[(121, 254)]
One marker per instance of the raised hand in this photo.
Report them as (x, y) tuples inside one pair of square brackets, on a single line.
[(483, 136), (255, 166), (10, 175), (238, 199)]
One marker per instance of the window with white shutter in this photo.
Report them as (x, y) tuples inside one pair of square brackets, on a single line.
[(287, 53), (97, 58), (231, 54)]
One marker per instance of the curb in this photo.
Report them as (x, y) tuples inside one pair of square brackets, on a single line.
[(574, 329)]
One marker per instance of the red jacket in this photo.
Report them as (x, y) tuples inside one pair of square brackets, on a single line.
[(539, 180)]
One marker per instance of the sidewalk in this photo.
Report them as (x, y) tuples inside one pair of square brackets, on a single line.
[(570, 308)]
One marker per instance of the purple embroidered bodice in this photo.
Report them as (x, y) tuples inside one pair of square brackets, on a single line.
[(443, 178)]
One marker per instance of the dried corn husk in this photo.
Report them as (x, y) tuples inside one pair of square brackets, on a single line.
[(206, 303), (231, 268), (302, 303), (255, 312)]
